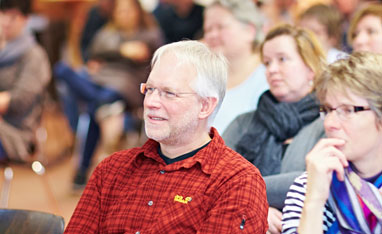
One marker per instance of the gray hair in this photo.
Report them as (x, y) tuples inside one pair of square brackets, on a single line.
[(246, 12), (211, 69)]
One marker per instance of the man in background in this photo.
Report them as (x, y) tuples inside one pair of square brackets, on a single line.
[(24, 75)]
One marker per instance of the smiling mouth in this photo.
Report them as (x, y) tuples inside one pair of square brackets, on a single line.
[(155, 118)]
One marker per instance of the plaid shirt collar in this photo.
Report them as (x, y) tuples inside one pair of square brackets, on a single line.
[(207, 161)]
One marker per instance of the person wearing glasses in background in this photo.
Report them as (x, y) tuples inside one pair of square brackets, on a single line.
[(341, 190), (183, 179)]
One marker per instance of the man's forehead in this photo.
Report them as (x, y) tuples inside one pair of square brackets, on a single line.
[(170, 68)]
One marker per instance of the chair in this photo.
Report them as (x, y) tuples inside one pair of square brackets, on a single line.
[(14, 221)]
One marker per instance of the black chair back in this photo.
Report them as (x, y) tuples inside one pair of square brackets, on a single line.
[(14, 221)]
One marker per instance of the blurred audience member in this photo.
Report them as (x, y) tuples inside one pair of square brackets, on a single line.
[(325, 22), (24, 75), (365, 31), (120, 55), (234, 28), (347, 9), (97, 17), (273, 137), (179, 19), (284, 11), (341, 191)]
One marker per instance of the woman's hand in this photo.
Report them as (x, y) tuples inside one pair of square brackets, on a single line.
[(324, 158), (135, 50), (274, 221), (5, 99), (93, 66)]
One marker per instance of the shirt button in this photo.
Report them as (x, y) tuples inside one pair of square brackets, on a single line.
[(138, 232), (162, 172), (150, 203)]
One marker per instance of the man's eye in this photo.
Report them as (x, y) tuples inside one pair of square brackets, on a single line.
[(170, 94), (150, 90)]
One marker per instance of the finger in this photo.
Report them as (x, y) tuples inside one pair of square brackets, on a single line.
[(323, 145), (279, 227), (273, 229), (279, 215), (334, 152), (326, 142), (334, 164)]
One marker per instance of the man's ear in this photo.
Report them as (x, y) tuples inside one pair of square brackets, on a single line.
[(208, 106)]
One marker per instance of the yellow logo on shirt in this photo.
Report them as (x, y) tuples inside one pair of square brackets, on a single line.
[(180, 199)]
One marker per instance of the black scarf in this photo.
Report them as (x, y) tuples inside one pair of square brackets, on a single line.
[(274, 122)]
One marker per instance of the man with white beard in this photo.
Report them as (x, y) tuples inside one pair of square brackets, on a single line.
[(183, 179)]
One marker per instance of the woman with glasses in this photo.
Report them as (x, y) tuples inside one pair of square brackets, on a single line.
[(272, 137), (341, 190)]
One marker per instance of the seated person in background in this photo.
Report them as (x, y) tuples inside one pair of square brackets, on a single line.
[(273, 137), (97, 17), (183, 179), (365, 31), (234, 28), (120, 56), (346, 9), (179, 19), (325, 22), (341, 191), (24, 76)]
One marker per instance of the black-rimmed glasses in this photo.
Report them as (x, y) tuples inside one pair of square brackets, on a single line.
[(344, 112)]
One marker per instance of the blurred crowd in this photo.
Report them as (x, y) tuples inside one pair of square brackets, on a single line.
[(266, 43)]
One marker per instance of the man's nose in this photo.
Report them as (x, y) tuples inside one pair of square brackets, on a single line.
[(153, 99)]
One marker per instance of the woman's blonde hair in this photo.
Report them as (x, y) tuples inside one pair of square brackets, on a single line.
[(307, 45), (360, 73), (372, 9)]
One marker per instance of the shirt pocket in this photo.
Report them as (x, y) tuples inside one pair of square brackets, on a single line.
[(183, 213)]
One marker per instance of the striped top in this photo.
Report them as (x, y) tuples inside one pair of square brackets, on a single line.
[(294, 203)]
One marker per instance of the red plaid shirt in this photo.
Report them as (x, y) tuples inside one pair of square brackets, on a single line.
[(134, 191)]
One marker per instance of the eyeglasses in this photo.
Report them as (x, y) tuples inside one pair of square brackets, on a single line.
[(169, 95), (344, 112)]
